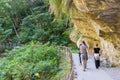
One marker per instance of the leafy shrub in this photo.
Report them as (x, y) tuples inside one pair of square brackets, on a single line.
[(31, 62)]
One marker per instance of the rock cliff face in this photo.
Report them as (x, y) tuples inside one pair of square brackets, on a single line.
[(99, 22)]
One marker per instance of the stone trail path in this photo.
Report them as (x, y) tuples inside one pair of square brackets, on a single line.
[(91, 72)]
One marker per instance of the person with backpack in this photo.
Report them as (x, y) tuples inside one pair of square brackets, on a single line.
[(96, 52)]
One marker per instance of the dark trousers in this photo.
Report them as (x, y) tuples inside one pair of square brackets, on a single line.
[(97, 63), (80, 57)]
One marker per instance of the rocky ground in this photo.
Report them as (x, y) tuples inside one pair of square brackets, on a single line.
[(113, 72)]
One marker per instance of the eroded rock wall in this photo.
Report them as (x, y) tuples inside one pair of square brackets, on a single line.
[(99, 21)]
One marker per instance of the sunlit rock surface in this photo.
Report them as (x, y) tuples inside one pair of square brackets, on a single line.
[(95, 21), (98, 21)]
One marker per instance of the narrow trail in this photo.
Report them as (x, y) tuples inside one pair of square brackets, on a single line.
[(91, 72)]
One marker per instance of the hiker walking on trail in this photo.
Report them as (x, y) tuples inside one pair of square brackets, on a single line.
[(96, 52), (80, 54), (84, 54)]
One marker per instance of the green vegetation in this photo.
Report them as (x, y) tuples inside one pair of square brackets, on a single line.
[(61, 7), (34, 62), (74, 50), (23, 21), (27, 20)]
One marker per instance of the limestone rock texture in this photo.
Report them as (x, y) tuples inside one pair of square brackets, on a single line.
[(95, 21), (99, 22)]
